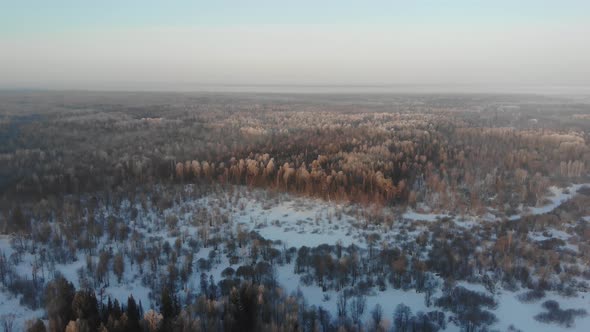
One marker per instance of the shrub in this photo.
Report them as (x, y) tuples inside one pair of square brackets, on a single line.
[(532, 296), (559, 316)]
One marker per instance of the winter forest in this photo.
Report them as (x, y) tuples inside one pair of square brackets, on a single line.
[(294, 212)]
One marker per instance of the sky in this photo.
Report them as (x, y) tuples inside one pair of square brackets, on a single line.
[(185, 45)]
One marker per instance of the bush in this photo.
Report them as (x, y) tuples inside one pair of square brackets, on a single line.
[(559, 316), (30, 291), (204, 264), (460, 297), (532, 296), (306, 279), (466, 305)]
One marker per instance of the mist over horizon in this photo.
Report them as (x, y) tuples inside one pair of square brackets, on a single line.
[(384, 46), (581, 91)]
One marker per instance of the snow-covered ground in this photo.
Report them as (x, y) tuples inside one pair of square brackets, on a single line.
[(557, 196), (388, 299), (411, 215), (300, 222), (297, 222), (11, 309), (511, 311)]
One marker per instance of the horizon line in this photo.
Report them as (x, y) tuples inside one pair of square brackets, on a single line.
[(394, 88)]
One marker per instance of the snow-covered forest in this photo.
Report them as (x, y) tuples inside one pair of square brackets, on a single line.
[(190, 212)]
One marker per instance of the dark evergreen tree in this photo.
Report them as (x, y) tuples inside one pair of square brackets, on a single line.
[(85, 307), (59, 294), (168, 308), (37, 326), (133, 315)]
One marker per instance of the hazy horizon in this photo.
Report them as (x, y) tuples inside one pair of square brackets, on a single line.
[(148, 46), (572, 91)]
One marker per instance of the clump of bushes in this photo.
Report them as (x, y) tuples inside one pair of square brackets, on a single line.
[(555, 314), (532, 296)]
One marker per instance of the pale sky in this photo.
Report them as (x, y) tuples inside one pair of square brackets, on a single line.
[(167, 45)]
